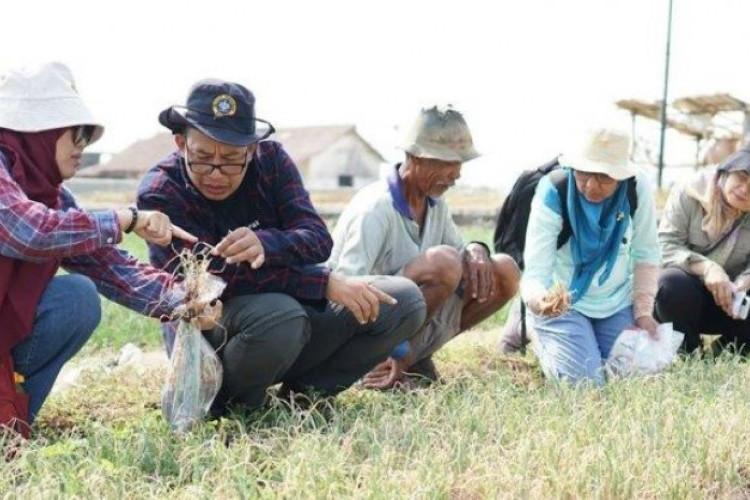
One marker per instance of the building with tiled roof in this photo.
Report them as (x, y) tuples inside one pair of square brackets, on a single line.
[(327, 156)]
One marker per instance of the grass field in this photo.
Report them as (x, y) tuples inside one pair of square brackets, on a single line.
[(492, 429)]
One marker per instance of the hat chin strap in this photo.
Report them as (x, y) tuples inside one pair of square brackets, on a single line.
[(271, 129)]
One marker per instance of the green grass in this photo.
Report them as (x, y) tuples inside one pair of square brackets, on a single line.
[(493, 429)]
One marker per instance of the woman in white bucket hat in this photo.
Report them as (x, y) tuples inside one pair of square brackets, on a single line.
[(582, 293), (44, 318)]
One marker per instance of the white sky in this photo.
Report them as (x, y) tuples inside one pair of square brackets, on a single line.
[(525, 73)]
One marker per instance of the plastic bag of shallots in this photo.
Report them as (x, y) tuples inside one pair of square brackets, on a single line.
[(195, 372)]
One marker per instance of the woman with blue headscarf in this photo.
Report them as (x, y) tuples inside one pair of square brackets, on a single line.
[(582, 294)]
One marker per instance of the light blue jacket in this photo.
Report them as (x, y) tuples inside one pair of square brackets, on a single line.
[(546, 264)]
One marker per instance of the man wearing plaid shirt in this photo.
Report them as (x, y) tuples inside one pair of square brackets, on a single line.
[(287, 318)]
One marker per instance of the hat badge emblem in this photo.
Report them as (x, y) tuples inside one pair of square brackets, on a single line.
[(224, 105)]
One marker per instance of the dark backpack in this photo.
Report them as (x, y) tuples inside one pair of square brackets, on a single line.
[(513, 219)]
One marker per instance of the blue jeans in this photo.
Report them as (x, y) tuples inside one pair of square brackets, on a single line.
[(573, 347), (66, 316)]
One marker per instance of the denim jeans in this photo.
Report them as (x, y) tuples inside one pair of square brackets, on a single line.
[(66, 316), (573, 347)]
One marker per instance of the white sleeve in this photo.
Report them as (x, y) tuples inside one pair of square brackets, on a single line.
[(540, 249)]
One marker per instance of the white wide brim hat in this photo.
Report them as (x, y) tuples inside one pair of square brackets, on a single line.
[(44, 97), (602, 151)]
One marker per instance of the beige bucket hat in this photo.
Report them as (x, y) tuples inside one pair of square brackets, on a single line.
[(43, 97), (440, 133), (602, 150)]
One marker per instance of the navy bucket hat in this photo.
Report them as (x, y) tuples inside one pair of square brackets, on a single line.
[(223, 111)]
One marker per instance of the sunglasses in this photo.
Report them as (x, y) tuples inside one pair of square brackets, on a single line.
[(82, 135)]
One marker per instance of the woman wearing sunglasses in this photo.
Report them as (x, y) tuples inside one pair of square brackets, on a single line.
[(583, 293), (45, 318)]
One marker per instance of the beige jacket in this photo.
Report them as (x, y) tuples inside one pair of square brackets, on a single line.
[(683, 241)]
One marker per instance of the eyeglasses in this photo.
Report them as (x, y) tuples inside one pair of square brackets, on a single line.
[(82, 135), (601, 179), (205, 168)]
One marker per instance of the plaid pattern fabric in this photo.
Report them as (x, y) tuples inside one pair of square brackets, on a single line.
[(85, 243), (294, 237)]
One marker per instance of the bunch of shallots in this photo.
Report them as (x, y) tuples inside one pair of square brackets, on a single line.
[(557, 300)]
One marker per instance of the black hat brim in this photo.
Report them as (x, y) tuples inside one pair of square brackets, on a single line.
[(175, 119)]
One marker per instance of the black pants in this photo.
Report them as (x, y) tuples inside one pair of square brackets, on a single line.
[(685, 301), (272, 338)]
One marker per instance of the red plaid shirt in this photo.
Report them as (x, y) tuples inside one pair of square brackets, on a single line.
[(85, 243)]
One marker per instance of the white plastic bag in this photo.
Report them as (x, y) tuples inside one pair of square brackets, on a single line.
[(636, 353), (194, 378), (195, 371)]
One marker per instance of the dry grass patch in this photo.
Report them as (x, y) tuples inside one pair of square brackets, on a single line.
[(108, 396)]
